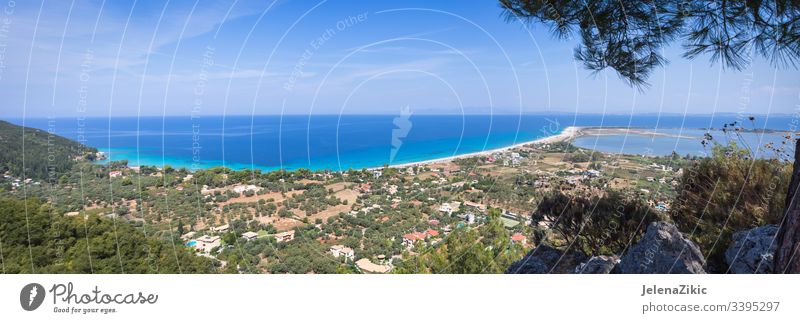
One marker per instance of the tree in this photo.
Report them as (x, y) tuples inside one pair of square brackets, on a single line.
[(787, 253), (36, 239), (599, 224), (466, 250), (726, 193), (628, 36)]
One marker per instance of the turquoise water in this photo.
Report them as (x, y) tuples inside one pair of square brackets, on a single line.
[(338, 143), (191, 243)]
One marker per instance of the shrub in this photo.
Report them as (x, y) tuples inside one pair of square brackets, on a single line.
[(598, 224), (726, 193)]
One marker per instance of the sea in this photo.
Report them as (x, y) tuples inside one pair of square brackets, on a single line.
[(342, 142)]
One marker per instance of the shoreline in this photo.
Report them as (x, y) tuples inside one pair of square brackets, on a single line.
[(566, 134)]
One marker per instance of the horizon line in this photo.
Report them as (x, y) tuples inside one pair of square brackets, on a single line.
[(388, 114)]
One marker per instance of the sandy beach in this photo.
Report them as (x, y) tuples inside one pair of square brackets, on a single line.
[(567, 134), (613, 131)]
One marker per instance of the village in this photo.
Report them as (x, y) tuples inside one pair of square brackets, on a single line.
[(363, 221)]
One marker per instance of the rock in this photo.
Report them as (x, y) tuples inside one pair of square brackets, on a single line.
[(662, 250), (545, 259), (752, 250), (597, 265)]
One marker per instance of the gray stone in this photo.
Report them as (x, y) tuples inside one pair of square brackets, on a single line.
[(662, 250), (752, 250), (545, 259), (598, 265)]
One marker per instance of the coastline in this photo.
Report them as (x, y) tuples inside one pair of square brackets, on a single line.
[(566, 134)]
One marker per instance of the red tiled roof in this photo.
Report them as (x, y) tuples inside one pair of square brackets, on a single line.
[(432, 232), (517, 237)]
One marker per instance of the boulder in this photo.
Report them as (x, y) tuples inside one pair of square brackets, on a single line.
[(545, 259), (662, 250), (597, 265), (752, 250)]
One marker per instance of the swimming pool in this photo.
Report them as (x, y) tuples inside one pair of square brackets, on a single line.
[(191, 243)]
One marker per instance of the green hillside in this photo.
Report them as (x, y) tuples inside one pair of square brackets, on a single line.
[(46, 155), (37, 239)]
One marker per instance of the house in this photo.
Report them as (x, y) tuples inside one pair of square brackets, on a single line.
[(115, 173), (249, 235), (469, 217), (410, 238), (449, 208), (432, 233), (478, 206), (342, 251), (205, 243), (519, 238), (368, 267), (222, 228), (284, 236), (243, 188)]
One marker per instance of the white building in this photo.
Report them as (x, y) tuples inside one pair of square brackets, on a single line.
[(469, 217), (284, 236), (206, 243), (342, 251), (222, 228), (249, 235), (446, 208), (242, 188)]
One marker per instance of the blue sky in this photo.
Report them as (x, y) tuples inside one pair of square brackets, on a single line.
[(128, 58)]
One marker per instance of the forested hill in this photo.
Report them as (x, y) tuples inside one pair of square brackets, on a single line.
[(38, 239), (46, 154)]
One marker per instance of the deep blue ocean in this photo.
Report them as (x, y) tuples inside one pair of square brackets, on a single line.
[(357, 141)]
